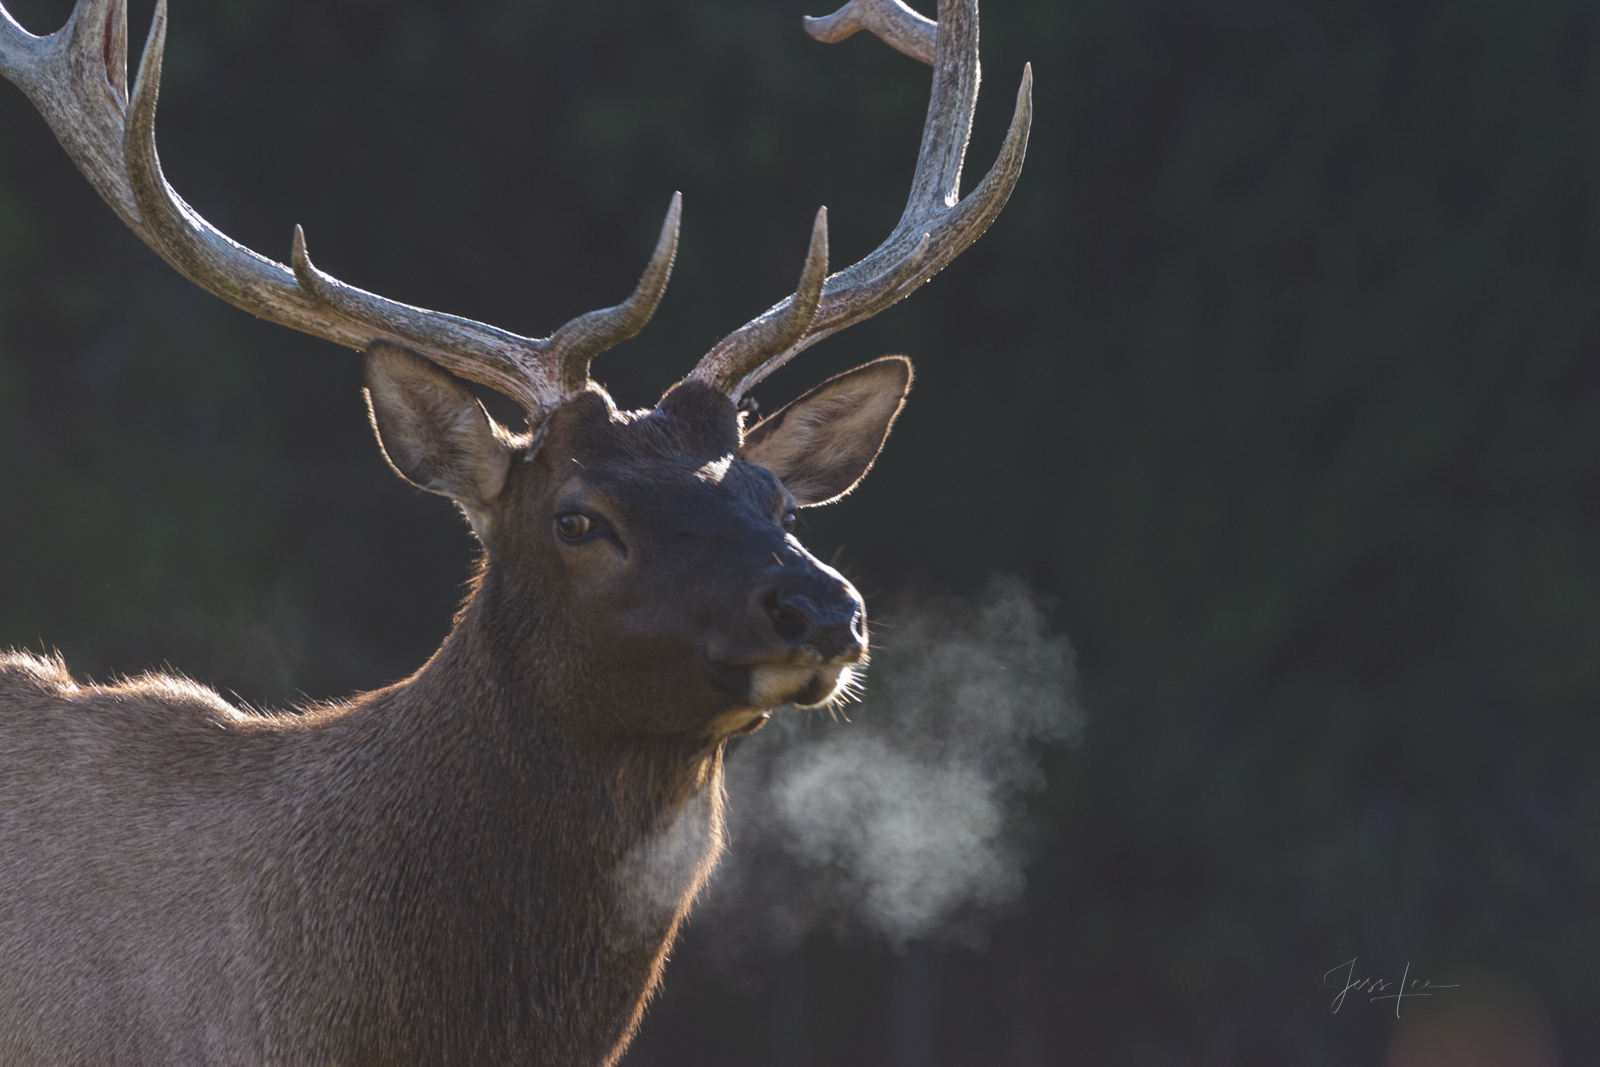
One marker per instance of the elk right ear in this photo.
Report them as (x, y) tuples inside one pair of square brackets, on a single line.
[(434, 433)]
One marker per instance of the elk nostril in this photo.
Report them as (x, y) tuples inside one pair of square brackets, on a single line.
[(791, 623)]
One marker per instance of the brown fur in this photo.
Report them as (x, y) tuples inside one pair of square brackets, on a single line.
[(417, 876), (485, 863)]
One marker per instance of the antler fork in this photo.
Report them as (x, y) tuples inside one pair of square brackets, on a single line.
[(77, 78), (936, 226)]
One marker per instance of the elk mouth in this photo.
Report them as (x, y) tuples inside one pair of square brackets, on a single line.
[(763, 686), (771, 685), (775, 684)]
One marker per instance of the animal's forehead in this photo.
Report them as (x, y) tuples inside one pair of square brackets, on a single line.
[(691, 479), (683, 451), (692, 424)]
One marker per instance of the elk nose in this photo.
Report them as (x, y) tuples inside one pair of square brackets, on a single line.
[(830, 634)]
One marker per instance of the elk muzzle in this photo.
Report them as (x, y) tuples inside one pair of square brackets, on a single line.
[(800, 635)]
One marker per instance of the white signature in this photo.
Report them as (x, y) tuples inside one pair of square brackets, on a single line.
[(1418, 987)]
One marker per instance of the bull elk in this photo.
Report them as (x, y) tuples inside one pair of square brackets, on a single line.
[(486, 862)]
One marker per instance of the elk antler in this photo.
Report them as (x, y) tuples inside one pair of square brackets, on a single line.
[(936, 226), (77, 78)]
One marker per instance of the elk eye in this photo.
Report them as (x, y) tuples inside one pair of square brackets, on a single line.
[(573, 525), (790, 517)]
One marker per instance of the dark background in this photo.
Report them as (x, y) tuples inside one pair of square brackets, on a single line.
[(1280, 374)]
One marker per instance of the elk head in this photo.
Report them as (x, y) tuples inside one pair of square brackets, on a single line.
[(658, 544)]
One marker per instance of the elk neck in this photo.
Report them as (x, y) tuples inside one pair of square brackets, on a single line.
[(576, 854)]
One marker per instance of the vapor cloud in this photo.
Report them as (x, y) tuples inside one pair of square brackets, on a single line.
[(905, 821)]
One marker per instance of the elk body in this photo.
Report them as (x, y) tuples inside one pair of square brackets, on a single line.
[(487, 862)]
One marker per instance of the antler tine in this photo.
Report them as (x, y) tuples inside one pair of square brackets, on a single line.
[(948, 227), (328, 308), (748, 348), (586, 336), (890, 20), (936, 226), (77, 78)]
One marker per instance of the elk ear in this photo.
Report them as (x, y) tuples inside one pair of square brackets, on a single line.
[(434, 433), (823, 444)]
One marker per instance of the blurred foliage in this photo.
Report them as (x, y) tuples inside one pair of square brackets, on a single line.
[(1281, 371)]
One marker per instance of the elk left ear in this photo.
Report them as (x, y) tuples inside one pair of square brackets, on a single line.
[(823, 444)]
